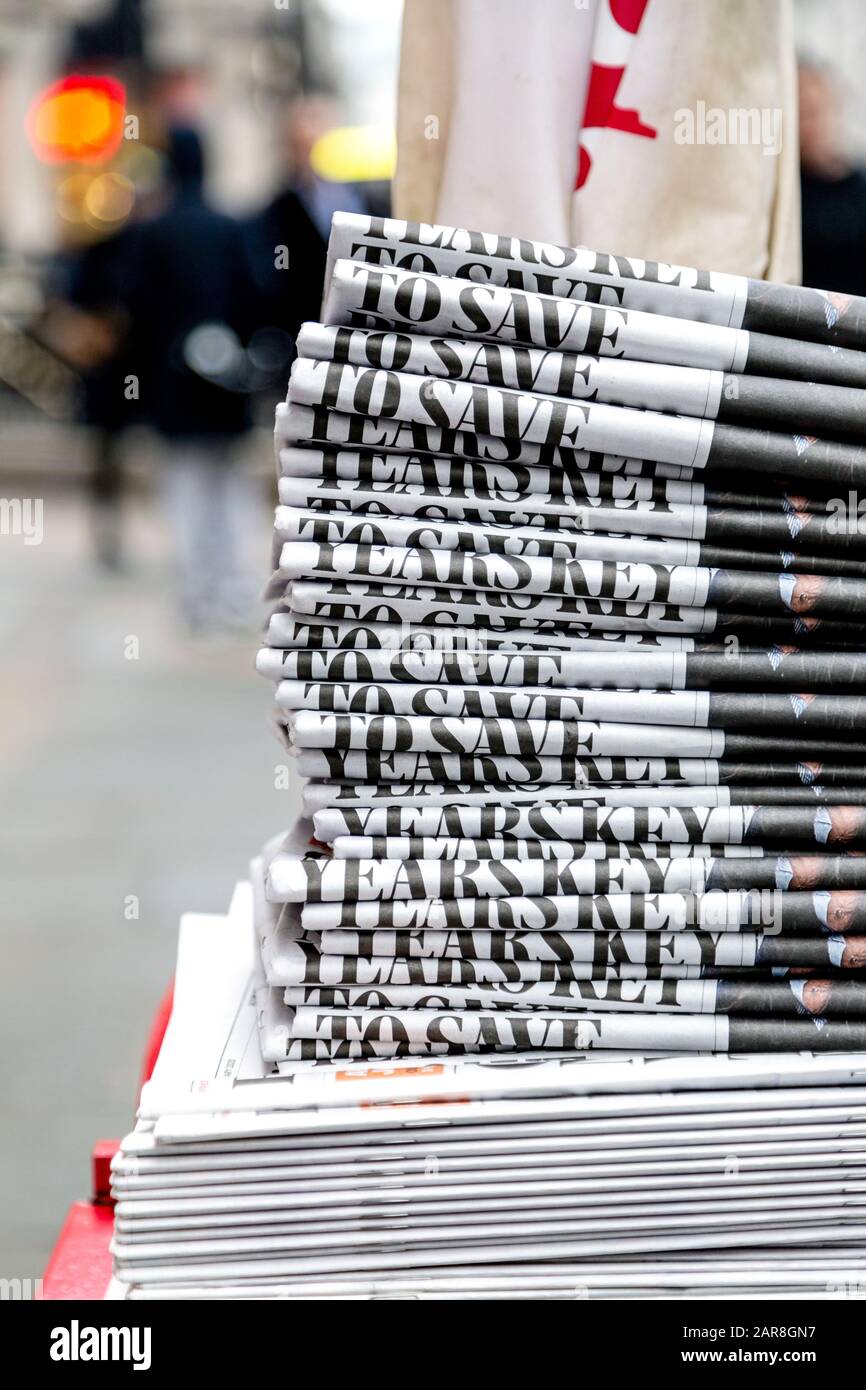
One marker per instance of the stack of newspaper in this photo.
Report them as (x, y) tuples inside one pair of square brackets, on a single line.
[(568, 645), (568, 1179), (558, 988)]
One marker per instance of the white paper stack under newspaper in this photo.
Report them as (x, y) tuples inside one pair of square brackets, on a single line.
[(477, 1178)]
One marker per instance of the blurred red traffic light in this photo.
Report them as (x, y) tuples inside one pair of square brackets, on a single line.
[(77, 119)]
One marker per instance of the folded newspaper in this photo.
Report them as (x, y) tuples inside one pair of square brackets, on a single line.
[(567, 649)]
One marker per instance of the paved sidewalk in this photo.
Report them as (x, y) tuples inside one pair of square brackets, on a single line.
[(149, 779)]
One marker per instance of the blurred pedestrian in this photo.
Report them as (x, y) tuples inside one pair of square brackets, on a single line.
[(192, 300), (290, 236), (92, 332), (833, 189)]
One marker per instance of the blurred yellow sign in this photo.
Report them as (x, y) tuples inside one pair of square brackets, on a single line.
[(355, 154)]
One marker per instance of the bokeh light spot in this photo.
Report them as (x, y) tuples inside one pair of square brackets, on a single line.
[(78, 119)]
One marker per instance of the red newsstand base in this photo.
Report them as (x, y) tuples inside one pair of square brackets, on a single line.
[(80, 1264)]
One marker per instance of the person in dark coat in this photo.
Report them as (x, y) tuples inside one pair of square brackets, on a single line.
[(94, 290), (192, 302), (833, 190), (290, 236)]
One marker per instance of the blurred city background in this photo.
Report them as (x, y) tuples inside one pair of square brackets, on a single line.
[(168, 169), (146, 319)]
